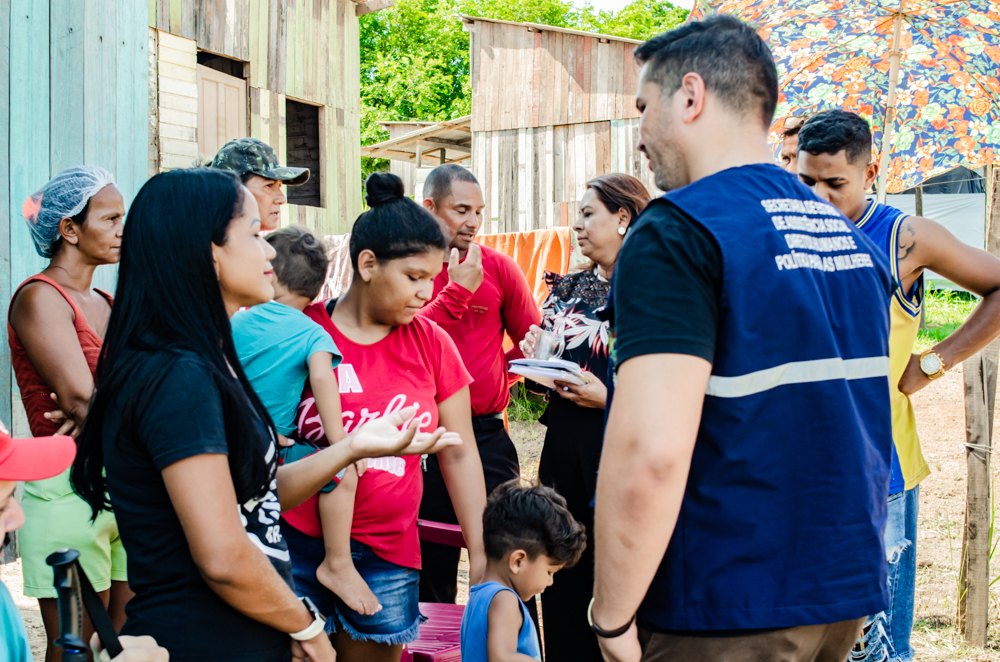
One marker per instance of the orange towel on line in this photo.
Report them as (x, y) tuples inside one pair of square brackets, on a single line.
[(535, 252)]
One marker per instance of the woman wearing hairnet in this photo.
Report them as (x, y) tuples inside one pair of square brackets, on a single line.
[(56, 325)]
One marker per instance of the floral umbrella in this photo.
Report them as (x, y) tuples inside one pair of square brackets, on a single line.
[(923, 72)]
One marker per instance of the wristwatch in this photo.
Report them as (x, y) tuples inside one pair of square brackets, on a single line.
[(931, 364), (606, 634), (317, 626)]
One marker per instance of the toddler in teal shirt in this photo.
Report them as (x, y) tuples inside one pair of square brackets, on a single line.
[(280, 348)]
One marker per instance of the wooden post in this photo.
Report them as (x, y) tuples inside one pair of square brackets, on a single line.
[(918, 210), (980, 373)]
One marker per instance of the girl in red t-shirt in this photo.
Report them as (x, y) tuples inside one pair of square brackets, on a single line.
[(392, 359)]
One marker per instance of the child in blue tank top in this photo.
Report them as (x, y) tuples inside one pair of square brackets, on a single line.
[(529, 535)]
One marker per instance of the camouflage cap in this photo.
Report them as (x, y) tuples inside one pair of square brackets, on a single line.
[(252, 156)]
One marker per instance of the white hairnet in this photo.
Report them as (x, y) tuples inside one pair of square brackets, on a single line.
[(64, 196)]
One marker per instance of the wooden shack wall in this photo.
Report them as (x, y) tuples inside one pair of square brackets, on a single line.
[(534, 178), (306, 50), (73, 80), (523, 79)]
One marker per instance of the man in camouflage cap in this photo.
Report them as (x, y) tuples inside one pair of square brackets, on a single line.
[(257, 165)]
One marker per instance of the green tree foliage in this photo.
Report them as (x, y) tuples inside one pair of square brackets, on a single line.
[(415, 55)]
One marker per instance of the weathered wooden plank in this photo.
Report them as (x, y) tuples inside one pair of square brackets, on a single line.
[(524, 197), (178, 87), (253, 41), (66, 31), (5, 207), (162, 15), (100, 81), (229, 21), (152, 107), (494, 175), (599, 89), (980, 375), (589, 51), (179, 118), (510, 70), (274, 25), (574, 90), (175, 132), (487, 54), (29, 143), (558, 163), (546, 195), (536, 76), (177, 72), (618, 58), (559, 92), (549, 65), (526, 78), (174, 56), (176, 23), (168, 40), (178, 102), (590, 154), (283, 53), (179, 147), (173, 161)]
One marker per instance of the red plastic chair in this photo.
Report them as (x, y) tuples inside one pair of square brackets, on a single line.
[(440, 636)]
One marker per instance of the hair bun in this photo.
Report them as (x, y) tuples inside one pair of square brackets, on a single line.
[(383, 188)]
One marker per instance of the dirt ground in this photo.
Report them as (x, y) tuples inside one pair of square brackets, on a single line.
[(941, 422)]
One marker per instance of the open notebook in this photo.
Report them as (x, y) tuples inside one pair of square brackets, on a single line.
[(549, 371)]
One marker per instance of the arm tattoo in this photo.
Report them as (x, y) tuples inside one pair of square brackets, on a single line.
[(907, 241)]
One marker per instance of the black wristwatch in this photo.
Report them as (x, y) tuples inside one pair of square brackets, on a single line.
[(606, 634)]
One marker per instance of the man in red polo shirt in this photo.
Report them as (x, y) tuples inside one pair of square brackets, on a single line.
[(479, 296)]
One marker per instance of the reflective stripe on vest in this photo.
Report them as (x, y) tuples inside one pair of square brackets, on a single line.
[(797, 372)]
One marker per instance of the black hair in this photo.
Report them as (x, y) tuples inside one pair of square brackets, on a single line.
[(534, 519), (301, 262), (727, 53), (437, 186), (830, 131), (168, 303), (395, 227)]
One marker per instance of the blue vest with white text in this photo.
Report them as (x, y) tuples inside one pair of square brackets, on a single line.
[(781, 522)]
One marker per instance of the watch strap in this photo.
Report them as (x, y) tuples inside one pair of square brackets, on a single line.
[(315, 628), (602, 633)]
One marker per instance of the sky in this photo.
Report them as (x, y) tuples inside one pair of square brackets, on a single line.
[(618, 4)]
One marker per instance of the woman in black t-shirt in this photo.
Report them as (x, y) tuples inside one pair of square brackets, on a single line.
[(188, 448), (575, 414)]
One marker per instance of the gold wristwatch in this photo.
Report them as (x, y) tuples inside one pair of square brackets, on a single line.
[(932, 364)]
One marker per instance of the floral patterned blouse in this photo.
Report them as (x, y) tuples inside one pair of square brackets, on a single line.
[(575, 298)]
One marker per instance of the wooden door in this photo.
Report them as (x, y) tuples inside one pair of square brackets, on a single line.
[(222, 110)]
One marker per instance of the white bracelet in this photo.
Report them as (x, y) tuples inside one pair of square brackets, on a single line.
[(313, 630)]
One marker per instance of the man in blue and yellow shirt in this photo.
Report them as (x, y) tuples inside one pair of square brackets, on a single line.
[(835, 160)]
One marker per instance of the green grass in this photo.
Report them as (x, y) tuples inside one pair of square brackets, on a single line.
[(944, 311), (524, 405)]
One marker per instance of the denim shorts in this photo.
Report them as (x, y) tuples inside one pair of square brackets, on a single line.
[(395, 587)]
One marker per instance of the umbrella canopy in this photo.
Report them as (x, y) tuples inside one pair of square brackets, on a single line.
[(923, 72)]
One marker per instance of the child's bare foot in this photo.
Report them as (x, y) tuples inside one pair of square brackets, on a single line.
[(343, 579)]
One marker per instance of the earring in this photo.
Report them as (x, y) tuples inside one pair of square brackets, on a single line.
[(621, 231)]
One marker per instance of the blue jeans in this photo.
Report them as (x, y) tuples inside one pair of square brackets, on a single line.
[(886, 636), (393, 585)]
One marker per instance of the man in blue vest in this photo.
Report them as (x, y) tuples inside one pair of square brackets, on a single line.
[(741, 495), (835, 160)]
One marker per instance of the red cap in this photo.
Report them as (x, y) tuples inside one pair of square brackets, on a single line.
[(35, 458)]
